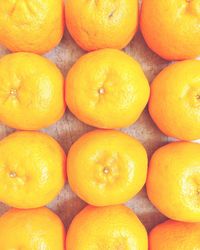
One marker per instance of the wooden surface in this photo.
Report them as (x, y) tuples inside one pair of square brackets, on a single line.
[(69, 129)]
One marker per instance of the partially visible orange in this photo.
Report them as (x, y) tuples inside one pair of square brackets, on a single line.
[(31, 25), (175, 235), (31, 229), (106, 167), (99, 24), (32, 169), (174, 104), (172, 28), (114, 227), (107, 89), (173, 183), (31, 91)]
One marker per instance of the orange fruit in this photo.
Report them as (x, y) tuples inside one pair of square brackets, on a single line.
[(31, 25), (114, 227), (173, 183), (32, 169), (102, 24), (110, 92), (172, 28), (175, 100), (31, 91), (31, 229), (175, 236), (106, 167)]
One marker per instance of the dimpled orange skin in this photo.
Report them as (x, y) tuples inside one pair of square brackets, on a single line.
[(113, 227), (31, 91), (32, 169), (31, 25), (173, 183), (107, 89), (106, 167), (174, 104), (175, 235), (172, 28), (102, 24), (31, 229)]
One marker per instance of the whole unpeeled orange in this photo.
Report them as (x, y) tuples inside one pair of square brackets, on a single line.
[(172, 28), (31, 229), (32, 169), (106, 167), (173, 183), (31, 25), (31, 91), (99, 24), (175, 235), (107, 89), (112, 227), (174, 104)]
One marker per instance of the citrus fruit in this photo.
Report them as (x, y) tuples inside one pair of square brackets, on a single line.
[(113, 227), (32, 169), (173, 183), (106, 167), (31, 91), (107, 89), (175, 100), (31, 229), (31, 25), (175, 235), (102, 24), (172, 28)]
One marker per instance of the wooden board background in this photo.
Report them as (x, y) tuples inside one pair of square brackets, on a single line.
[(69, 129)]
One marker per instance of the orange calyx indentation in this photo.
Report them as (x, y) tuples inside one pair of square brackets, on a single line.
[(13, 174), (101, 91), (13, 92)]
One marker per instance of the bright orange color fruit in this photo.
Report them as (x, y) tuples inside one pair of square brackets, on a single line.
[(31, 25), (107, 89), (175, 235), (113, 227), (106, 167), (99, 24), (173, 183), (175, 100), (31, 229), (31, 91), (172, 28), (32, 169)]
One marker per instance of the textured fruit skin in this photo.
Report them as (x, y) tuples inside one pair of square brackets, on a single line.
[(113, 227), (174, 103), (31, 25), (106, 167), (173, 181), (172, 28), (102, 24), (175, 235), (32, 169), (31, 229), (107, 89), (31, 91)]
